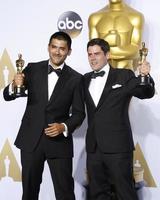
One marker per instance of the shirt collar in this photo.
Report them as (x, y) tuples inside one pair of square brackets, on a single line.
[(59, 67), (105, 68)]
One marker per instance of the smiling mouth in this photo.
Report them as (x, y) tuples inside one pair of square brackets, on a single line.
[(94, 62), (57, 57)]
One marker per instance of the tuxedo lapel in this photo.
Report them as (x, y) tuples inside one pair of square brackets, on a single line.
[(42, 75), (108, 87), (60, 83), (88, 95)]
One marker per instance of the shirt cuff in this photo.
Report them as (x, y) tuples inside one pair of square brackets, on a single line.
[(11, 89), (65, 132)]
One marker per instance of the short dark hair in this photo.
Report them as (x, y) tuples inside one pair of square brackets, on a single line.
[(100, 42), (60, 35)]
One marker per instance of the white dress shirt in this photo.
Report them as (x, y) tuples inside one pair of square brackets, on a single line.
[(97, 85), (52, 80)]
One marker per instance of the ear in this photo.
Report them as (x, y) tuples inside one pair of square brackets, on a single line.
[(69, 52), (108, 55)]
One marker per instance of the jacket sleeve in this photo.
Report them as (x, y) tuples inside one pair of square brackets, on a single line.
[(77, 114), (9, 97), (140, 91)]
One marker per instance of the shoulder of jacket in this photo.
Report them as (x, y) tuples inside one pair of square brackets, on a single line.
[(73, 71)]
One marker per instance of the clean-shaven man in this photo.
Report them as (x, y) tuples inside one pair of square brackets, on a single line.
[(109, 141)]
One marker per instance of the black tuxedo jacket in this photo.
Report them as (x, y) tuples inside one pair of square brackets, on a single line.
[(66, 105), (108, 123)]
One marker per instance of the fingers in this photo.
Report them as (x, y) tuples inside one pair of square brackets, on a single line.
[(54, 129), (18, 79), (144, 68), (51, 130)]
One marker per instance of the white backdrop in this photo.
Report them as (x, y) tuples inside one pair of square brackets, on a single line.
[(26, 27)]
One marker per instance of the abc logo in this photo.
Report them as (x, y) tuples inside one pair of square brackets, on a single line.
[(71, 23)]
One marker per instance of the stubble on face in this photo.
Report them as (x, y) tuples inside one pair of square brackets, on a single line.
[(58, 51)]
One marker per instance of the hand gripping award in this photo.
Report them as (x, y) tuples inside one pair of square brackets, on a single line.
[(19, 90), (143, 52)]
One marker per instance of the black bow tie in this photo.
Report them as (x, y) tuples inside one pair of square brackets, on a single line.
[(96, 74), (51, 69)]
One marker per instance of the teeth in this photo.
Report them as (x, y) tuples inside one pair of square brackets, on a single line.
[(94, 63)]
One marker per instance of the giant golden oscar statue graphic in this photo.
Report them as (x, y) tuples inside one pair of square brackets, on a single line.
[(121, 26)]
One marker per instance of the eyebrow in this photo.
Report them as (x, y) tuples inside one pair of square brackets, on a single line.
[(98, 52)]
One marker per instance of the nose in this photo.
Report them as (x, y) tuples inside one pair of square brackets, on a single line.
[(57, 51), (92, 56)]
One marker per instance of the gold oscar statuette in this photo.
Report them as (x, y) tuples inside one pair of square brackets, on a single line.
[(143, 52), (19, 90)]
